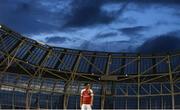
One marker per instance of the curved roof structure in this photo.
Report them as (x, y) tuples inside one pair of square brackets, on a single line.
[(120, 80)]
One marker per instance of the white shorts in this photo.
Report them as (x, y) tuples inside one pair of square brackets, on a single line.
[(86, 107)]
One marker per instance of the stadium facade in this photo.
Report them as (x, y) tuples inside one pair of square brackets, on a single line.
[(35, 75)]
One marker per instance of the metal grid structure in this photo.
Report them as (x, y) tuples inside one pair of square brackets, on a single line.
[(35, 75)]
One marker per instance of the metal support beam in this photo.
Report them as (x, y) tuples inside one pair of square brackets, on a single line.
[(65, 102), (28, 53), (103, 91), (161, 92), (108, 64), (139, 79), (70, 81), (17, 45), (39, 91), (171, 81), (132, 61), (123, 62), (92, 61), (40, 70), (103, 95), (2, 38), (139, 74), (92, 65), (60, 59), (52, 92), (154, 63), (11, 59), (13, 98), (150, 89)]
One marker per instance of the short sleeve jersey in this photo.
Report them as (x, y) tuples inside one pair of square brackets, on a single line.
[(86, 96)]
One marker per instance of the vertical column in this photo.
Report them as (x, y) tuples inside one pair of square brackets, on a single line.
[(52, 92), (171, 80), (27, 95), (13, 97), (77, 96), (162, 97), (138, 70), (103, 95), (150, 97), (123, 62), (108, 64), (65, 102), (126, 94), (113, 94), (70, 81), (103, 91), (40, 71), (10, 58), (126, 103), (39, 92)]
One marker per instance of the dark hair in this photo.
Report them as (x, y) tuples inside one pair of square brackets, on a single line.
[(86, 84)]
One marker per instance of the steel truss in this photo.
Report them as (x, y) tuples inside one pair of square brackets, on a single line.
[(120, 80)]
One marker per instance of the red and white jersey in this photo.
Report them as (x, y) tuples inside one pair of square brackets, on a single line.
[(86, 95)]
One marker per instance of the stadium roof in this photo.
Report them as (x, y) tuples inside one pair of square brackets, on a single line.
[(34, 55)]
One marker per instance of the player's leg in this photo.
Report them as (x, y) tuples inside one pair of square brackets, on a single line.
[(83, 107), (89, 107)]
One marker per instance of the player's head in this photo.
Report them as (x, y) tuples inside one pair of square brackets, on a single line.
[(87, 85)]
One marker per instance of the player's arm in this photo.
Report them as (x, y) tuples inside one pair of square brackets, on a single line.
[(92, 100), (92, 97), (81, 98), (80, 101)]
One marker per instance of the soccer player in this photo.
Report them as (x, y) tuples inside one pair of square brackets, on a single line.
[(86, 99)]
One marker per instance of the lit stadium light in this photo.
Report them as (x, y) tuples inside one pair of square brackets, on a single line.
[(125, 74), (0, 26)]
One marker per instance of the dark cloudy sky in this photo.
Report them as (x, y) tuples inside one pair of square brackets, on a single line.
[(101, 25)]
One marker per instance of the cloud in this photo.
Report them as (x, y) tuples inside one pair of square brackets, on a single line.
[(112, 46), (160, 44), (75, 18), (86, 45), (176, 14), (133, 31), (162, 2), (106, 35), (174, 33), (27, 17), (32, 16), (150, 1), (89, 12), (57, 39)]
